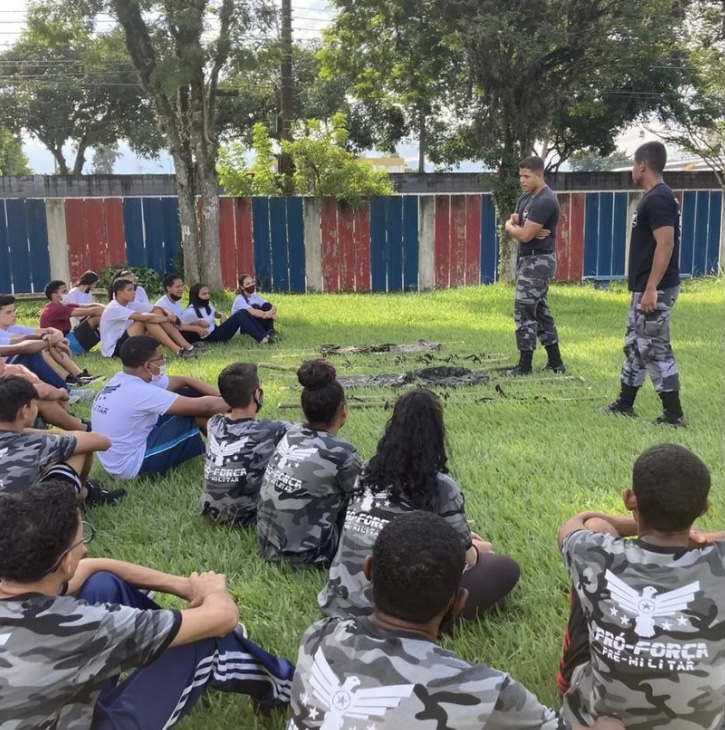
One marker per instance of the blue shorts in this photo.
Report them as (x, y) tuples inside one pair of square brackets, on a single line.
[(172, 441), (75, 346)]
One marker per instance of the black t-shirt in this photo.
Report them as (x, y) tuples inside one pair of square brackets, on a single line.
[(542, 208), (657, 208)]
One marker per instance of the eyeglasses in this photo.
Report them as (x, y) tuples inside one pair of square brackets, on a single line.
[(158, 359), (89, 532)]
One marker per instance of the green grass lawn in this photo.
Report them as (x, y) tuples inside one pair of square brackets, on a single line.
[(524, 465)]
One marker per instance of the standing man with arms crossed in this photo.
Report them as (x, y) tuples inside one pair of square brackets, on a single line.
[(533, 225), (654, 280)]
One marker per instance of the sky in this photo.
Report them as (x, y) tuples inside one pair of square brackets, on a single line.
[(309, 17)]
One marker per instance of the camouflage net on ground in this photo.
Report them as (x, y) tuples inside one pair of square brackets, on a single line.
[(442, 375), (420, 346)]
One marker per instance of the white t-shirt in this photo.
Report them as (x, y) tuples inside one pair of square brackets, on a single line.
[(14, 330), (241, 303), (76, 296), (126, 410), (189, 316), (115, 320), (141, 296), (171, 305)]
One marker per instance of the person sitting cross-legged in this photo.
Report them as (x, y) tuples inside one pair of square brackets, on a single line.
[(124, 317), (28, 456), (238, 449), (153, 420), (646, 633), (387, 670), (59, 313), (70, 625)]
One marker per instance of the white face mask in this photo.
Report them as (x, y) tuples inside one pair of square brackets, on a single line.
[(65, 299), (160, 374)]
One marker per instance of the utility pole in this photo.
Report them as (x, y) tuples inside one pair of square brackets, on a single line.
[(287, 85)]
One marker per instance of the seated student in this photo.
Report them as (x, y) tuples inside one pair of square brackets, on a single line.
[(152, 425), (387, 671), (57, 314), (238, 448), (29, 456), (248, 300), (192, 330), (140, 296), (123, 318), (71, 625), (53, 402), (201, 309), (646, 636), (82, 292), (309, 479), (409, 472), (57, 346)]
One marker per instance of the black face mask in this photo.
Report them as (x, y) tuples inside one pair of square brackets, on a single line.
[(174, 298), (259, 403), (250, 289)]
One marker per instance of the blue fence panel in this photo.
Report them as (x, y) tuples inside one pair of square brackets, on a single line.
[(18, 246), (605, 234), (133, 232), (712, 257), (410, 243), (261, 241), (6, 281), (171, 233), (489, 241), (296, 244), (702, 224), (687, 231), (38, 243), (591, 234), (153, 221), (394, 221), (378, 244), (278, 239), (619, 231)]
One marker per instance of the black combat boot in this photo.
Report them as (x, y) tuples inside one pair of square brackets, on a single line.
[(623, 406), (672, 415), (554, 364), (524, 366)]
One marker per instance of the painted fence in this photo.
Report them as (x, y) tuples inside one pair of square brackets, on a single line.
[(403, 242)]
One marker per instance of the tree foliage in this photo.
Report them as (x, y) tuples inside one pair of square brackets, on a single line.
[(67, 84), (323, 166), (591, 161), (12, 158)]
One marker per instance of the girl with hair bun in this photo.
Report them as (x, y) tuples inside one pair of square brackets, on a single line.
[(409, 472), (310, 476)]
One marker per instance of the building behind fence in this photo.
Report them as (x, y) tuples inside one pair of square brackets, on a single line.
[(404, 242)]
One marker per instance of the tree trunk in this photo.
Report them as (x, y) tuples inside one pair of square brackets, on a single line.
[(505, 195), (187, 217), (422, 143)]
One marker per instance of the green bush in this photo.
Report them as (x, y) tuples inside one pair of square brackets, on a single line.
[(147, 278)]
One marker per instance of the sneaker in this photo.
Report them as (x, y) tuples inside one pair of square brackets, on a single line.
[(191, 354), (85, 377), (516, 372), (672, 421), (72, 380), (80, 394), (98, 496), (616, 409), (201, 345), (560, 369)]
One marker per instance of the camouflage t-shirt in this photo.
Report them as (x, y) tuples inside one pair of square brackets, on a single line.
[(237, 453), (656, 619), (56, 652), (348, 592), (304, 494), (352, 674), (24, 457)]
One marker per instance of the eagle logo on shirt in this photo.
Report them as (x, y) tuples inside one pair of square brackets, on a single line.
[(289, 454), (648, 604), (341, 701), (219, 452)]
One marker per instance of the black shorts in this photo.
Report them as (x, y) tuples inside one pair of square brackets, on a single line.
[(61, 472), (87, 337), (119, 344)]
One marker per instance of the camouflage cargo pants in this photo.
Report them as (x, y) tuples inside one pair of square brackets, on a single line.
[(647, 344), (531, 310)]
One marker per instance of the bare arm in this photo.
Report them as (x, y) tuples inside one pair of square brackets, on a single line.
[(526, 233), (624, 526), (203, 407), (87, 310), (664, 246), (24, 347), (177, 382), (89, 441)]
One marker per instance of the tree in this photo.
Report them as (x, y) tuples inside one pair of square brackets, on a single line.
[(591, 161), (104, 158), (67, 85), (180, 49), (12, 158), (701, 129)]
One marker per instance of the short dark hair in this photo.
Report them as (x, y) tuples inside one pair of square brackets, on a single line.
[(52, 287), (237, 383), (321, 393), (137, 350), (671, 485), (653, 154), (87, 278), (533, 163), (6, 299), (15, 392), (169, 280), (418, 560), (119, 285), (37, 525)]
